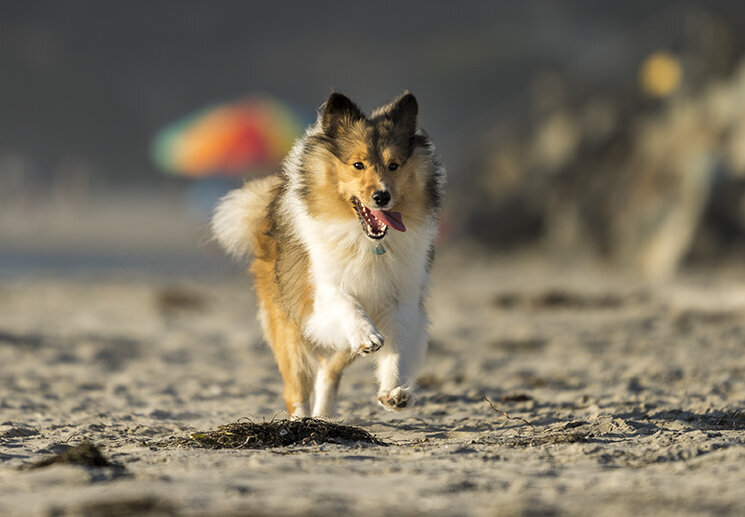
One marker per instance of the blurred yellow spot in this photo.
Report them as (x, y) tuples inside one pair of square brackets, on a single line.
[(660, 74)]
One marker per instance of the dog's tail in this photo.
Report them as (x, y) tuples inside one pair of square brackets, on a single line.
[(239, 215)]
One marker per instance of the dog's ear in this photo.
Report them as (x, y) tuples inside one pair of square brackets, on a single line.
[(403, 111), (338, 111)]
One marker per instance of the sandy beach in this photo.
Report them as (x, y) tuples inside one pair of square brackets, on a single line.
[(587, 305), (609, 398)]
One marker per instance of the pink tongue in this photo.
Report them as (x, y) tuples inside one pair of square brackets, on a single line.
[(392, 219)]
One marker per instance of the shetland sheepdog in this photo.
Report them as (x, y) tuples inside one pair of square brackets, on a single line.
[(342, 244)]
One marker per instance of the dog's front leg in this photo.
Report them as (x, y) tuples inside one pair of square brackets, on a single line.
[(400, 361), (340, 322)]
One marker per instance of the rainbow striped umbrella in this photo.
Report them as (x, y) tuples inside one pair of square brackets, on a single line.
[(234, 139)]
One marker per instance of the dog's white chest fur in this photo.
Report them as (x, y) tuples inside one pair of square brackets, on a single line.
[(345, 271)]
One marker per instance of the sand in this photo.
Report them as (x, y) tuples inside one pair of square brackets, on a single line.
[(610, 398)]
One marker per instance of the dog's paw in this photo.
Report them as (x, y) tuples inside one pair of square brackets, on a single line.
[(366, 339), (397, 398)]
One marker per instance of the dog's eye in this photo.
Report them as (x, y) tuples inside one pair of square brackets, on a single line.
[(358, 165), (393, 167)]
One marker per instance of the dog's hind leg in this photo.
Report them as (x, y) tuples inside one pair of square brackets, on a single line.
[(328, 377), (297, 373), (294, 360)]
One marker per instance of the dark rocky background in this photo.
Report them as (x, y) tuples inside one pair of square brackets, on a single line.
[(87, 84)]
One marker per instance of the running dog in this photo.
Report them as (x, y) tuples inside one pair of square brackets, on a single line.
[(342, 240)]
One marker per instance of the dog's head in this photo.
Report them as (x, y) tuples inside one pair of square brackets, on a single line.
[(372, 163)]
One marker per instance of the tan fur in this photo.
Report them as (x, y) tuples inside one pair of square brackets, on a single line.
[(290, 350), (411, 189), (341, 181), (282, 314), (333, 366), (325, 200)]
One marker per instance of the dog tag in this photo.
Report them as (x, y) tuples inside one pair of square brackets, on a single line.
[(379, 249)]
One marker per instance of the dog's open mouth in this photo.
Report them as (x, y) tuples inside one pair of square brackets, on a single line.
[(376, 222)]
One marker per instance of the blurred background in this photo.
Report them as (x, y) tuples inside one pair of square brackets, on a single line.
[(603, 131)]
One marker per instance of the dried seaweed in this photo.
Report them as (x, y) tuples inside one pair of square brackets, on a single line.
[(85, 454), (713, 420), (504, 413), (173, 300), (280, 433)]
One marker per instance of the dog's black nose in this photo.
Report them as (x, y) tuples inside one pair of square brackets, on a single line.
[(381, 197)]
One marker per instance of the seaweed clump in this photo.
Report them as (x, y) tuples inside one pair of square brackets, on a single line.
[(85, 454), (280, 433)]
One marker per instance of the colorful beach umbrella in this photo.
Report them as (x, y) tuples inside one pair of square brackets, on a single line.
[(249, 136)]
